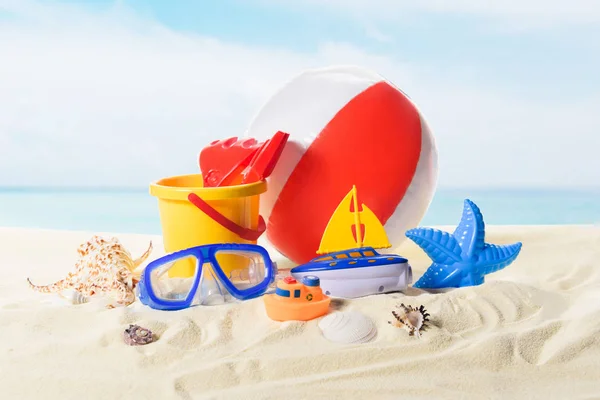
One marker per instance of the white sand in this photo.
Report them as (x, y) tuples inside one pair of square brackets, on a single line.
[(531, 331)]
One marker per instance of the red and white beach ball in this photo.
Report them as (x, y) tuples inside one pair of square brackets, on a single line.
[(348, 126)]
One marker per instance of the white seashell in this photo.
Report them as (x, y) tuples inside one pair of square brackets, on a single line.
[(73, 296), (348, 327)]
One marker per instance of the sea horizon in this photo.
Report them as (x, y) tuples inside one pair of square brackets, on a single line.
[(52, 188), (133, 210)]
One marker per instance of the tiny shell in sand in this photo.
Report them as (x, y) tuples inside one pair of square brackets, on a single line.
[(72, 296), (135, 335), (413, 318)]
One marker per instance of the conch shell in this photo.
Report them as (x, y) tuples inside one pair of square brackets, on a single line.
[(413, 318), (104, 267)]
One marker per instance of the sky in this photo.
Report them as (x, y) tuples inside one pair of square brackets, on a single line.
[(121, 93)]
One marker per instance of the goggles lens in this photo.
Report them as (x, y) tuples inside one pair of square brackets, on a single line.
[(169, 286), (247, 268)]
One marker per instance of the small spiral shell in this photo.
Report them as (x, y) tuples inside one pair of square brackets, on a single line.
[(74, 297)]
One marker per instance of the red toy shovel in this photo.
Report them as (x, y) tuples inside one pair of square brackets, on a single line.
[(261, 165), (264, 161), (222, 157)]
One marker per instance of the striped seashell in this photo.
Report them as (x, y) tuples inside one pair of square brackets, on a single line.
[(74, 297)]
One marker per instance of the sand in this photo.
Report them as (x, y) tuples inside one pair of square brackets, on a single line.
[(531, 331)]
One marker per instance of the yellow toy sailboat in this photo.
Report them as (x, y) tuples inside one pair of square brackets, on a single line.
[(350, 266), (338, 234)]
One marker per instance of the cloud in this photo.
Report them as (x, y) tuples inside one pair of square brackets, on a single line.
[(524, 13), (373, 32), (108, 98)]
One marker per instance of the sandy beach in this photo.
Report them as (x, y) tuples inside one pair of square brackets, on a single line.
[(532, 331)]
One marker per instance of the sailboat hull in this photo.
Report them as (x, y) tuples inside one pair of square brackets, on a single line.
[(360, 279)]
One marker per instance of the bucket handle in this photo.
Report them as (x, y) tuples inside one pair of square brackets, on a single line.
[(245, 233)]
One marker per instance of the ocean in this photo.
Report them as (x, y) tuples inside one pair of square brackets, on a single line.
[(135, 211)]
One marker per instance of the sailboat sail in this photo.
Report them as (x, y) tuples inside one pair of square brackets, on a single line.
[(338, 234)]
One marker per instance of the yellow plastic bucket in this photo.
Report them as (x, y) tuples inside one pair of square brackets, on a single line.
[(193, 215)]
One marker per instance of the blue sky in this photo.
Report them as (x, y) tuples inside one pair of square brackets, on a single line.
[(531, 54), (536, 55), (107, 91)]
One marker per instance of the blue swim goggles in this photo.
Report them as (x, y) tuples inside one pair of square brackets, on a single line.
[(207, 275)]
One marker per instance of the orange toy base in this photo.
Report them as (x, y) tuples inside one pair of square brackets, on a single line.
[(280, 311), (294, 301)]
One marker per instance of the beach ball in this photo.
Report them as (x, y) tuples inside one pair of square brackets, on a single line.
[(348, 126)]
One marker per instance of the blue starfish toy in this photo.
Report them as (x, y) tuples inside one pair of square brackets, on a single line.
[(463, 258)]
